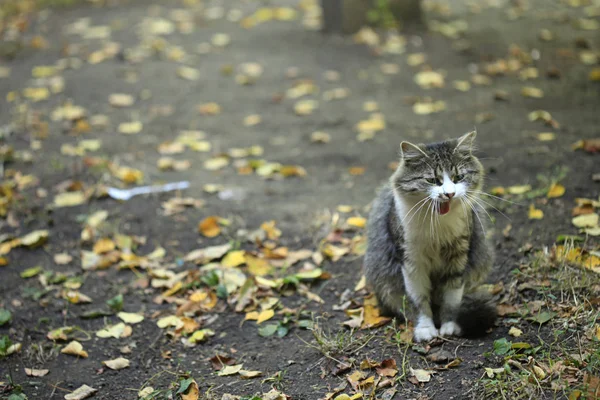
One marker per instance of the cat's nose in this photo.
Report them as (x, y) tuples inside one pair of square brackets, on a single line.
[(450, 194)]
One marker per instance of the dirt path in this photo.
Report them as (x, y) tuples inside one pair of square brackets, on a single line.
[(236, 77)]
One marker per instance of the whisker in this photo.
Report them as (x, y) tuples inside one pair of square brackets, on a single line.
[(476, 202), (495, 197), (417, 211), (485, 202), (408, 213), (470, 204)]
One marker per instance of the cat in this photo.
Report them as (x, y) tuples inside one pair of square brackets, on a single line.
[(426, 241)]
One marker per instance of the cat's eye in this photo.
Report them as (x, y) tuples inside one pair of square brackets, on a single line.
[(433, 181), (458, 178)]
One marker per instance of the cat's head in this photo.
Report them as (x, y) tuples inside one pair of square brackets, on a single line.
[(443, 171)]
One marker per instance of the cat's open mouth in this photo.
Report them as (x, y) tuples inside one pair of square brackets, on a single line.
[(444, 207)]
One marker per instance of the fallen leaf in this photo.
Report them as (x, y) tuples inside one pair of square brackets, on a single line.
[(535, 213), (115, 331), (491, 372), (117, 363), (586, 220), (130, 318), (230, 370), (62, 258), (422, 375), (249, 374), (171, 320), (36, 372), (429, 79), (320, 137), (121, 100), (556, 190), (529, 91), (82, 392), (209, 226), (188, 73), (305, 107), (74, 348), (31, 272), (130, 128), (358, 222), (234, 259), (514, 331), (209, 109), (519, 189), (192, 392), (69, 199), (216, 163), (201, 335)]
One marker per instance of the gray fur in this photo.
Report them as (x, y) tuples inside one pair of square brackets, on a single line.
[(447, 255)]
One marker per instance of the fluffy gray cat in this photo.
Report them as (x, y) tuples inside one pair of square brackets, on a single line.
[(426, 240)]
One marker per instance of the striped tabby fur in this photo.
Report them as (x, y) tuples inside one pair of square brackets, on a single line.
[(426, 241)]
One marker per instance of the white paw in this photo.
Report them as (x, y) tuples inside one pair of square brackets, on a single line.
[(450, 328), (425, 333)]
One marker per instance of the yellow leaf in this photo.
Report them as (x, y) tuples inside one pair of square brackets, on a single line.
[(358, 222), (234, 259), (130, 128), (114, 331), (209, 109), (361, 283), (128, 174), (82, 392), (216, 163), (586, 220), (193, 392), (519, 189), (514, 331), (530, 91), (121, 100), (69, 199), (230, 370), (104, 246), (305, 107), (130, 318), (75, 349), (257, 266), (249, 374), (535, 213), (209, 226), (34, 239), (171, 320), (201, 335), (117, 363), (265, 316), (546, 136), (598, 332), (556, 190)]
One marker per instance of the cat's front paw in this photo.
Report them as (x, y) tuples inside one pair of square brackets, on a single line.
[(424, 333), (450, 328)]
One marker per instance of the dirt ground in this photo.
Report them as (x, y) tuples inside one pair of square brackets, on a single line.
[(524, 74)]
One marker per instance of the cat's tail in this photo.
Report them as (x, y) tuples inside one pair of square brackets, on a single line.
[(477, 314)]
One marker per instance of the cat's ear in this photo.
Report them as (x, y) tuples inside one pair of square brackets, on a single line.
[(409, 150), (465, 142)]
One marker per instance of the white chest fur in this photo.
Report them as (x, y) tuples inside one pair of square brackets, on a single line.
[(426, 231)]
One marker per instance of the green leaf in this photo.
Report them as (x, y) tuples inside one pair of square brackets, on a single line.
[(91, 314), (282, 330), (267, 330), (502, 346), (17, 396), (305, 324), (5, 316), (222, 291), (520, 346), (569, 238), (31, 272), (543, 317), (5, 343), (116, 303), (184, 385), (211, 279)]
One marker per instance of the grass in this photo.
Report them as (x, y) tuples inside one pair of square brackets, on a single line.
[(338, 344), (567, 348)]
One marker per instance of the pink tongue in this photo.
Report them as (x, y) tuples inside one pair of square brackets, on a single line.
[(444, 207)]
